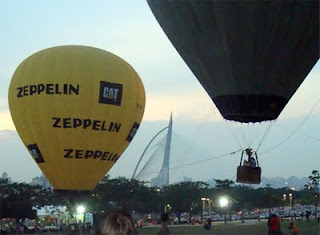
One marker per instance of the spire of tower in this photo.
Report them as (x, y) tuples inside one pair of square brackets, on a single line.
[(164, 172)]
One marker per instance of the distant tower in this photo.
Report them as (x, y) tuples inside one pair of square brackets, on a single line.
[(42, 181), (4, 175), (163, 177)]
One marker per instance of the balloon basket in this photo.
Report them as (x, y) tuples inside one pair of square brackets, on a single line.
[(248, 175)]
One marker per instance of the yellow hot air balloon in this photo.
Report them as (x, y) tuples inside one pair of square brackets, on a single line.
[(76, 109)]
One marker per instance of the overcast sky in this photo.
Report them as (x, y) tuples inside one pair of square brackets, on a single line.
[(129, 30)]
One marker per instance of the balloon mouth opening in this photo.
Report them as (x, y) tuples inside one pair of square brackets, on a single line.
[(249, 118), (250, 108)]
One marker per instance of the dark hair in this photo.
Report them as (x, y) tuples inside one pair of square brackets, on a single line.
[(164, 217), (117, 224), (127, 214)]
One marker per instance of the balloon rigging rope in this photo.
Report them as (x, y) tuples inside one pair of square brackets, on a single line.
[(301, 133), (232, 130), (295, 130), (244, 136), (265, 134), (196, 162)]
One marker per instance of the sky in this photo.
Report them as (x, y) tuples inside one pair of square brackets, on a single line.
[(204, 141)]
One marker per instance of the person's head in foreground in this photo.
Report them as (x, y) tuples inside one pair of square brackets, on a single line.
[(117, 224), (165, 218)]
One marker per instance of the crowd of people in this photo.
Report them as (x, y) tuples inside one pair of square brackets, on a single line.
[(122, 223)]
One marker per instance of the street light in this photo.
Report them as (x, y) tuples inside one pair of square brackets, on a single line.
[(209, 206), (80, 213), (290, 198), (284, 200), (315, 204), (81, 209), (167, 208), (203, 199), (223, 201)]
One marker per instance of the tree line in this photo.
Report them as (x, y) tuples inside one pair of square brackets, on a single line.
[(18, 200)]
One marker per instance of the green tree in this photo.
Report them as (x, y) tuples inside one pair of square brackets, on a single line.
[(314, 180), (269, 198), (184, 196), (223, 184), (311, 189), (17, 201), (244, 197), (112, 194)]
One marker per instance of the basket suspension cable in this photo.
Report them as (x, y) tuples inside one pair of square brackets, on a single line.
[(232, 128), (257, 158), (241, 157), (296, 129), (265, 134)]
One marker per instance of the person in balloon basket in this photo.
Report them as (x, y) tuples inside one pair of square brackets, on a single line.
[(117, 224), (251, 162), (165, 220)]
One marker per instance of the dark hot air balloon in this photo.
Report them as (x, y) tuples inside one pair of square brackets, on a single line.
[(250, 56)]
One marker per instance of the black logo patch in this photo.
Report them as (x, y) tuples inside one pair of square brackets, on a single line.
[(110, 93), (35, 153), (133, 131)]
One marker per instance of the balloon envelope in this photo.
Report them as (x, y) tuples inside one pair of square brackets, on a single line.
[(76, 109), (250, 56)]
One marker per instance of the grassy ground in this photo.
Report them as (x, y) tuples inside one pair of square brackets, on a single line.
[(248, 228)]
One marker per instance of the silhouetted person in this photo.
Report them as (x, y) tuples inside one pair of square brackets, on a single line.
[(164, 224), (308, 213), (293, 229), (207, 226), (274, 224)]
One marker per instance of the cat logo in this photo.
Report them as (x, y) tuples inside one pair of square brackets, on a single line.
[(110, 93), (35, 153), (133, 132)]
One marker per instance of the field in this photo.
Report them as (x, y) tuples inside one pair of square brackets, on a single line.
[(248, 228)]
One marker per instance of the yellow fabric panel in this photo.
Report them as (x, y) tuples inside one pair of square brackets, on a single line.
[(74, 108)]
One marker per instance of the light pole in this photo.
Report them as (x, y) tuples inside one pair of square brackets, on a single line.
[(80, 213), (209, 206), (291, 201), (315, 205), (284, 200), (167, 208), (223, 201), (203, 199)]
